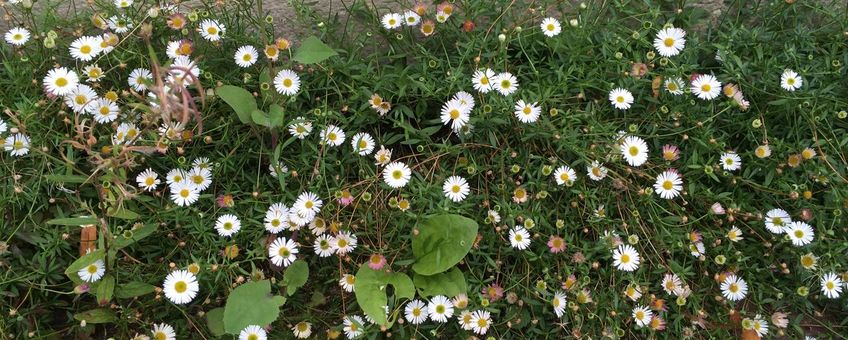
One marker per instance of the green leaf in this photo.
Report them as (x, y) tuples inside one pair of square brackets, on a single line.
[(371, 291), (251, 304), (134, 235), (312, 50), (295, 276), (276, 115), (75, 221), (95, 316), (239, 99), (82, 262), (66, 178), (133, 288), (215, 321), (260, 118), (442, 241), (451, 283), (105, 289), (122, 213)]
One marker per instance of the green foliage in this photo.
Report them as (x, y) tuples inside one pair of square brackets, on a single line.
[(240, 100), (450, 283), (441, 242), (251, 304), (296, 276), (372, 289), (312, 51)]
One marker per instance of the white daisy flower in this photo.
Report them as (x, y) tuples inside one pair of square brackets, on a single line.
[(181, 287), (626, 258), (253, 332), (307, 205), (734, 288), (302, 330), (440, 308), (92, 272), (227, 225), (759, 326), (621, 98), (800, 233), (416, 312), (93, 73), (671, 283), (163, 331), (527, 112), (300, 128), (17, 36), (790, 80), (184, 194), (670, 41), (642, 315), (348, 283), (139, 79), (464, 320), (456, 188), (123, 3), (176, 176), (392, 20), (276, 219), (455, 113), (669, 184), (148, 180), (17, 144), (596, 171), (81, 99), (519, 238), (323, 246), (60, 81), (482, 80), (344, 242), (353, 326), (558, 302), (104, 110), (831, 285), (730, 161), (3, 126), (85, 48), (674, 86), (383, 156), (564, 175), (333, 135), (550, 27), (411, 19), (200, 178), (363, 143), (397, 174), (505, 83), (634, 150), (734, 234), (183, 72), (211, 30), (481, 321), (202, 163), (697, 249), (776, 220), (120, 24), (246, 56), (282, 252), (706, 87)]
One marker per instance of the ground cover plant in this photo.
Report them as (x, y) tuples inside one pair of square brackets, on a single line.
[(461, 169)]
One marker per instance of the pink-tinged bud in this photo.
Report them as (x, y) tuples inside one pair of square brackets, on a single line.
[(717, 209)]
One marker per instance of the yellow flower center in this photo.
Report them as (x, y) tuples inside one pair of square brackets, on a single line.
[(506, 84), (799, 233), (564, 177), (733, 288), (790, 81), (61, 82), (706, 88), (309, 204), (331, 136), (397, 174), (85, 49), (392, 22), (228, 226), (91, 269), (484, 80), (619, 99), (160, 336), (252, 337), (625, 258), (287, 82), (181, 286), (633, 151), (284, 252), (80, 99), (668, 42), (212, 30), (440, 309), (455, 189), (350, 279), (527, 110), (551, 27), (184, 193), (343, 243), (17, 36), (640, 315), (362, 144), (454, 114), (104, 110), (672, 86), (149, 181), (667, 185)]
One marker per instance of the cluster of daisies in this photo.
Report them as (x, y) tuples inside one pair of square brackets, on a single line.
[(416, 16), (185, 186)]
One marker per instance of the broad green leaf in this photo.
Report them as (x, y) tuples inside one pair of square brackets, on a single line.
[(450, 283), (215, 321), (371, 291), (312, 50), (132, 289), (131, 236), (251, 304), (276, 115), (295, 276), (75, 221), (82, 262), (239, 99), (260, 118), (442, 241), (105, 289), (96, 316)]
